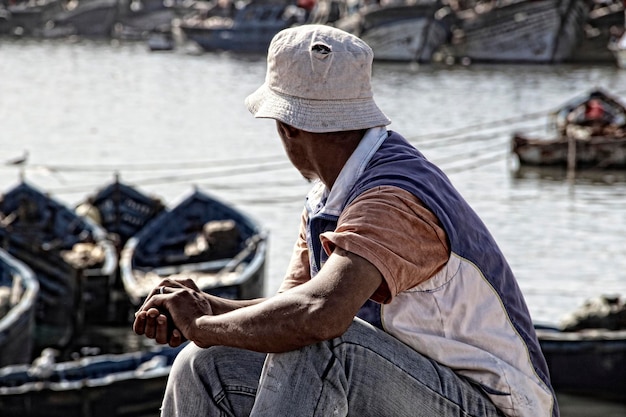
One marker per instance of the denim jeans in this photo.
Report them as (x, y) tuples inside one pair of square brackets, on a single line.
[(365, 372)]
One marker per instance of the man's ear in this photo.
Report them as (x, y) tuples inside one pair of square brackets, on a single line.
[(288, 131)]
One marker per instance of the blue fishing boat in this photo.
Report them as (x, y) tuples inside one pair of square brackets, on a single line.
[(586, 351), (110, 371), (121, 209), (589, 362), (125, 384), (18, 297), (69, 255), (248, 29), (222, 249)]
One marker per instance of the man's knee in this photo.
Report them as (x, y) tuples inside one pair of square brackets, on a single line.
[(193, 360)]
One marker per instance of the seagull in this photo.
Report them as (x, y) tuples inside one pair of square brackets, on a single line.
[(19, 160)]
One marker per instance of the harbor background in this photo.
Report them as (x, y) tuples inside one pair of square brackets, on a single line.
[(82, 111)]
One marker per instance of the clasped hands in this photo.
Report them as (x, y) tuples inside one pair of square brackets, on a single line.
[(169, 312)]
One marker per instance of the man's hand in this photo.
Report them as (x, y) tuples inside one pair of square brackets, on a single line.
[(169, 312)]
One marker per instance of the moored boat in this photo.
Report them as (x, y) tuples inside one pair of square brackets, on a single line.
[(64, 250), (121, 209), (137, 19), (89, 18), (586, 352), (219, 247), (125, 384), (536, 31), (18, 298), (248, 29), (409, 32), (111, 371), (591, 362), (590, 133), (26, 18), (598, 152)]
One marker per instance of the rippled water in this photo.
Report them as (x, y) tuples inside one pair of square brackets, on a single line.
[(171, 121)]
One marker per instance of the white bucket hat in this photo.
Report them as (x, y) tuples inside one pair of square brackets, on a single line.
[(318, 80)]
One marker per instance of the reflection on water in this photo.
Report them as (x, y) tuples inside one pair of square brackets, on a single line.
[(168, 121), (599, 177)]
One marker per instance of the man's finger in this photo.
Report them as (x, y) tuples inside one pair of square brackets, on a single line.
[(151, 323), (177, 338), (161, 329), (139, 325)]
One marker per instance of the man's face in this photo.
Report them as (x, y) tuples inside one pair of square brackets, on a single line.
[(296, 150)]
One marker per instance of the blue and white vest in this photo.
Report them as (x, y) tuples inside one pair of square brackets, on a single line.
[(472, 308)]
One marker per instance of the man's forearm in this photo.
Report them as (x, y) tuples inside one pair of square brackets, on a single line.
[(282, 323), (226, 305)]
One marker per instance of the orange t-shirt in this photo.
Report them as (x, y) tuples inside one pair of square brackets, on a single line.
[(389, 227)]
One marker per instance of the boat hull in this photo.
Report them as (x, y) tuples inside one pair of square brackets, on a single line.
[(128, 384), (91, 18), (17, 310), (591, 362), (250, 30), (400, 33), (596, 152), (48, 236), (543, 31), (121, 210), (161, 250)]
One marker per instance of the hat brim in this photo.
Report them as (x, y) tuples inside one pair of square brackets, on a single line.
[(317, 116)]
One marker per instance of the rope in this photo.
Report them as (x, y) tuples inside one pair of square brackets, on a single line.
[(497, 123), (272, 163)]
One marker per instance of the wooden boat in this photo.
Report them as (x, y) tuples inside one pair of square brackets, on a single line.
[(18, 297), (121, 209), (126, 384), (88, 18), (137, 19), (586, 353), (65, 251), (590, 133), (537, 31), (219, 247), (26, 18), (411, 32), (117, 372), (248, 29), (591, 362), (597, 152)]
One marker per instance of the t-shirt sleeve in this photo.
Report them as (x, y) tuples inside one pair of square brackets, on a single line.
[(299, 271), (393, 230)]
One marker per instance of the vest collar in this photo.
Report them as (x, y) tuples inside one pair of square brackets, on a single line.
[(321, 200)]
